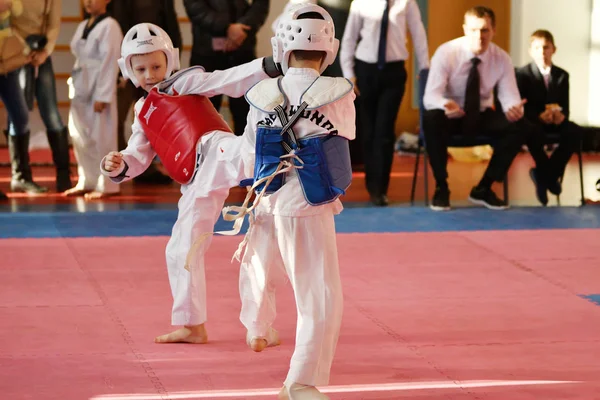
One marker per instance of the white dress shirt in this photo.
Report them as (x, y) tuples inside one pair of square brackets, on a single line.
[(450, 67), (545, 71), (364, 21)]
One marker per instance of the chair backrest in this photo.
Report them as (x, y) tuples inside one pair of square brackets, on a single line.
[(423, 75)]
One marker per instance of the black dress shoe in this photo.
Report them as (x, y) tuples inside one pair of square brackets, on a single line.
[(555, 187), (441, 199), (486, 197), (380, 200), (540, 187)]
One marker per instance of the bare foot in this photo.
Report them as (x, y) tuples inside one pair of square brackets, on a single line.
[(283, 394), (98, 195), (258, 343), (75, 192), (195, 334), (297, 391)]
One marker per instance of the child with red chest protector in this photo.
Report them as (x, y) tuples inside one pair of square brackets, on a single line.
[(177, 122)]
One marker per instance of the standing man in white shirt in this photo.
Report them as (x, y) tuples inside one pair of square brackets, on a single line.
[(459, 99), (375, 65)]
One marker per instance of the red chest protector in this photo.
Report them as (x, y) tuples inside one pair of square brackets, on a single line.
[(173, 124)]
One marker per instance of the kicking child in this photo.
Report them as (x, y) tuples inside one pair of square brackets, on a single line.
[(196, 147)]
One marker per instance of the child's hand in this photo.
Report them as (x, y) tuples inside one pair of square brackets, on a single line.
[(558, 117), (546, 117), (99, 106), (113, 161)]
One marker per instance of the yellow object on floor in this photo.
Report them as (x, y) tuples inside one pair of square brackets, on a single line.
[(471, 154)]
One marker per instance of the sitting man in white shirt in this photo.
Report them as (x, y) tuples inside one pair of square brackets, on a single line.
[(459, 100)]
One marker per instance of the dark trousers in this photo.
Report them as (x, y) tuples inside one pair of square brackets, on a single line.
[(45, 94), (569, 138), (43, 89), (13, 98), (509, 137), (220, 61), (381, 93)]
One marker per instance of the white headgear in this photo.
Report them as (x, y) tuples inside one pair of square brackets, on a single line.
[(292, 34), (146, 38)]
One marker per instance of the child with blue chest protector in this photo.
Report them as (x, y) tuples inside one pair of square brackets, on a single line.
[(300, 125)]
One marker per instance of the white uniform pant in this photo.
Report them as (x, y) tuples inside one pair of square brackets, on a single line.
[(94, 135), (198, 210), (306, 247)]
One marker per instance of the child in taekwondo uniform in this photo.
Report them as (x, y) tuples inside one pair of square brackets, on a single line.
[(196, 147), (303, 122), (93, 93)]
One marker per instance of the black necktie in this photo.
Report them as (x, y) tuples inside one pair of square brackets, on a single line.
[(385, 18), (472, 99)]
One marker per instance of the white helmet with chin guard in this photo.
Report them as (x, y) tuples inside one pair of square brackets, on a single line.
[(146, 38), (305, 33)]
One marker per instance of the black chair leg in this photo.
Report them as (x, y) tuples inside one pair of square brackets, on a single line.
[(426, 177), (414, 180), (558, 195), (580, 157), (505, 184)]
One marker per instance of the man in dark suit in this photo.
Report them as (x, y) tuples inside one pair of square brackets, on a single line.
[(224, 34), (546, 88)]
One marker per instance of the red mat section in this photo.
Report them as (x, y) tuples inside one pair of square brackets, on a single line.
[(478, 315)]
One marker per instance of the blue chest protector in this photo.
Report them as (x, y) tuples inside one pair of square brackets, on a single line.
[(325, 170)]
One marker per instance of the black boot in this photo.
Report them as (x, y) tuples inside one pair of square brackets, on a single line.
[(3, 196), (22, 180), (59, 143)]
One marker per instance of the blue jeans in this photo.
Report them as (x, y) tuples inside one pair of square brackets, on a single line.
[(14, 100), (44, 87)]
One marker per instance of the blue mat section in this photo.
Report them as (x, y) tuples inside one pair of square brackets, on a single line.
[(355, 219), (594, 298)]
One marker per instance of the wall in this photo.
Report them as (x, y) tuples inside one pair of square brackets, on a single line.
[(594, 76), (570, 23)]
